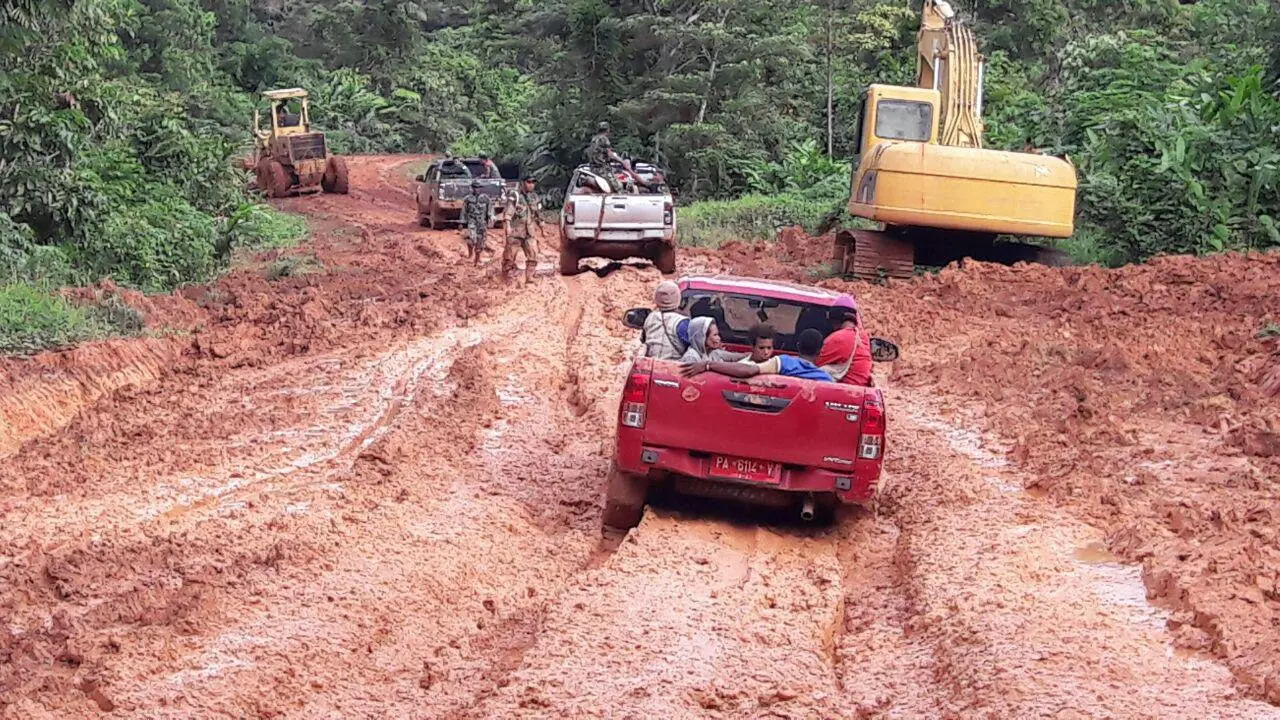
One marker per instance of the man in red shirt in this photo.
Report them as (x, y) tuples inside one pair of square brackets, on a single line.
[(846, 353)]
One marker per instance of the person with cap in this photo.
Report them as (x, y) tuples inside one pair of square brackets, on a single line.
[(600, 156), (846, 352), (660, 335), (477, 210), (526, 214), (490, 168)]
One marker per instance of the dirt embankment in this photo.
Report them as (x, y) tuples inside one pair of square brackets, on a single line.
[(366, 482), (1144, 399)]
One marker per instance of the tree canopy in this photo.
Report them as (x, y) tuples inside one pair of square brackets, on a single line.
[(120, 119)]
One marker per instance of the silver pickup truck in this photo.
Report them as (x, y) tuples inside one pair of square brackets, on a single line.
[(639, 222)]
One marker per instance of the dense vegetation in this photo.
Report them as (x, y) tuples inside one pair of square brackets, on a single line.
[(120, 119)]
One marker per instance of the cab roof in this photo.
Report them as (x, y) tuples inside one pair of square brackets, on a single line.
[(774, 289)]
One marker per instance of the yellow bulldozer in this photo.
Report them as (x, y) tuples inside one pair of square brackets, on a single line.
[(925, 177), (289, 157)]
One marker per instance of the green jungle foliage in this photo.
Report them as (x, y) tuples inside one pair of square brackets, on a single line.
[(121, 120)]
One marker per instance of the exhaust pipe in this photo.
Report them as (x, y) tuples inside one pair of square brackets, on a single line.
[(806, 510)]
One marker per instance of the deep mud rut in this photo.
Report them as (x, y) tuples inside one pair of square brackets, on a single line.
[(374, 491)]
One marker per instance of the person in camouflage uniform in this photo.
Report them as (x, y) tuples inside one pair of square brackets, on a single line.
[(454, 167), (600, 156), (526, 213), (477, 209), (491, 171)]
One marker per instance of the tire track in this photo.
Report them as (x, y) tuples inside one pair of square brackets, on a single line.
[(1017, 624)]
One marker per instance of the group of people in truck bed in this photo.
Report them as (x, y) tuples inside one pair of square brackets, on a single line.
[(844, 355)]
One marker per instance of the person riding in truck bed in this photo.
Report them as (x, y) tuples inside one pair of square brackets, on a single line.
[(600, 156), (809, 345)]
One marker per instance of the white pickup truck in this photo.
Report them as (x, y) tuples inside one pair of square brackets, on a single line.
[(639, 222)]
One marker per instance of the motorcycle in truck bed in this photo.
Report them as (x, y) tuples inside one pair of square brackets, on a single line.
[(769, 439), (638, 222)]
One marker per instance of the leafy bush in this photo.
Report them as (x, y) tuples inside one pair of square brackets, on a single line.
[(711, 223), (1174, 158), (260, 227), (155, 245), (807, 189), (32, 320)]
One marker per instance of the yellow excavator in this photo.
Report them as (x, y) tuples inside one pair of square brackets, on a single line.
[(925, 177)]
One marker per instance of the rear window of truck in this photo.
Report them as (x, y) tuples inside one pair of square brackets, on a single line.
[(736, 314)]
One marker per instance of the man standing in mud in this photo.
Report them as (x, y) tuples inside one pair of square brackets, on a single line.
[(526, 218), (600, 156), (477, 208)]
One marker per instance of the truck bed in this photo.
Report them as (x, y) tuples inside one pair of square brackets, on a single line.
[(771, 432)]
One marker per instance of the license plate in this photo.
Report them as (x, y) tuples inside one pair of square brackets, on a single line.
[(743, 469)]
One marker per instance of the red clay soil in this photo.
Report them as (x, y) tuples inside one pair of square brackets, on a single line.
[(371, 487), (1144, 399)]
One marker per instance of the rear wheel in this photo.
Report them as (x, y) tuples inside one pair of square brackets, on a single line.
[(665, 259), (273, 179), (568, 259), (334, 179), (624, 500)]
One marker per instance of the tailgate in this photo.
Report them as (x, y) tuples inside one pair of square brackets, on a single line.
[(786, 420), (455, 189), (621, 212), (459, 189)]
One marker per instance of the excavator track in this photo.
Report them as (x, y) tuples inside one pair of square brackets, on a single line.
[(879, 254), (872, 255)]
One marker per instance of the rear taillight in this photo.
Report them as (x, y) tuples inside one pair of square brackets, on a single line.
[(668, 214), (872, 442), (634, 397), (570, 210)]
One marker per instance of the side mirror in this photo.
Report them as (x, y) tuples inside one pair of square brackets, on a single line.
[(635, 317), (883, 351), (421, 178)]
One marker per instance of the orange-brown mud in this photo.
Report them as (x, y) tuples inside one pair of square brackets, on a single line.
[(371, 487)]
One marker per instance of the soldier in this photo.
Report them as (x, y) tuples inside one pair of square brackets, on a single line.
[(600, 156), (526, 214), (477, 208), (490, 168), (453, 167)]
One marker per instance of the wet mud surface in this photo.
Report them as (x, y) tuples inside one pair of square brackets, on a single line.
[(373, 488)]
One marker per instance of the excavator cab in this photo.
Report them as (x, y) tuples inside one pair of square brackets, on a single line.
[(897, 114)]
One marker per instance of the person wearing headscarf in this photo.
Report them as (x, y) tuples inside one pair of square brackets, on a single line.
[(661, 329), (807, 345), (705, 343)]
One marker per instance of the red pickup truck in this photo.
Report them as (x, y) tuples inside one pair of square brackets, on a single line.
[(769, 439)]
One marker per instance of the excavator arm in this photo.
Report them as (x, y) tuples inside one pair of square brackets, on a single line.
[(948, 61)]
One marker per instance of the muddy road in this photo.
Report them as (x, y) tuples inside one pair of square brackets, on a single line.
[(362, 480)]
